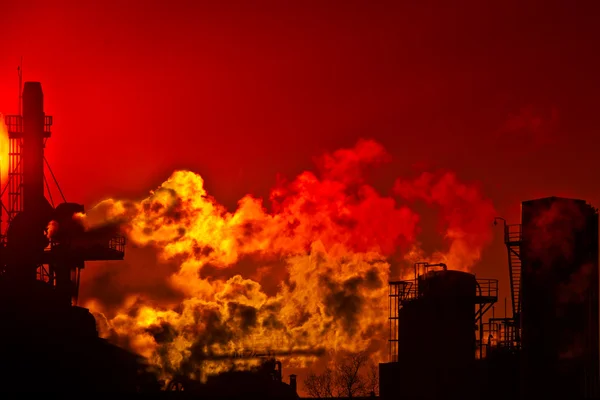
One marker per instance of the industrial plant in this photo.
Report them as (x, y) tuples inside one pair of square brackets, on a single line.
[(441, 346), (46, 338), (443, 342)]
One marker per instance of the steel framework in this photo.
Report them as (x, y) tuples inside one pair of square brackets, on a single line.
[(404, 291), (513, 234), (59, 263)]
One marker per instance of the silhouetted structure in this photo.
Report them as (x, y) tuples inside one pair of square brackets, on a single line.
[(432, 326), (263, 382), (552, 337), (48, 343), (500, 358), (498, 364), (512, 240), (559, 320)]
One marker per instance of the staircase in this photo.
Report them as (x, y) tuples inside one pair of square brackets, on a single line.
[(514, 264), (512, 239)]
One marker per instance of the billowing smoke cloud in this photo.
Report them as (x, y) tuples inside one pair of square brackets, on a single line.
[(465, 216), (308, 276)]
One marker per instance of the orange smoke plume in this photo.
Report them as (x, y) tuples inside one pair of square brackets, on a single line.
[(465, 216), (51, 229), (327, 242)]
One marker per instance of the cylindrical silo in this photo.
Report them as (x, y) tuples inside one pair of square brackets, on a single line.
[(559, 298), (436, 339)]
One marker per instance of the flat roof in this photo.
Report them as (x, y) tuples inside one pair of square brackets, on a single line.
[(554, 198)]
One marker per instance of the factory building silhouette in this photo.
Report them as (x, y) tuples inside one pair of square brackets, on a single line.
[(45, 338), (441, 348), (433, 342), (443, 342)]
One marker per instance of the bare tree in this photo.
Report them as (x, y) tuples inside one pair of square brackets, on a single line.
[(320, 385), (349, 381), (351, 375), (373, 378)]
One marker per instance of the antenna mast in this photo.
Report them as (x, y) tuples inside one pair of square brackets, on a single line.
[(1, 203)]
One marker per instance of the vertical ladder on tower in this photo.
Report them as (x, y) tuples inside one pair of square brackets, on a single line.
[(512, 239), (400, 292), (394, 299), (14, 124)]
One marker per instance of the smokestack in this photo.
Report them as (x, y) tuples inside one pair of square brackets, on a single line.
[(278, 374), (33, 146), (293, 384)]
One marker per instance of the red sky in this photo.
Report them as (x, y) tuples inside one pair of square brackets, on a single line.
[(507, 96)]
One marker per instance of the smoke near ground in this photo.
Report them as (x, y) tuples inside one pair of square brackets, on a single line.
[(301, 276)]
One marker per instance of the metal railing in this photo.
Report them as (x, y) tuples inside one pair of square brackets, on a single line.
[(487, 287), (48, 123), (14, 123), (513, 233), (409, 289), (500, 333), (404, 290), (117, 243)]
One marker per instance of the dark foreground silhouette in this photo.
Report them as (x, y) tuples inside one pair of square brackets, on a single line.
[(263, 382)]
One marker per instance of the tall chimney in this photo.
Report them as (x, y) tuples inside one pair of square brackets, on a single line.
[(293, 384), (33, 147)]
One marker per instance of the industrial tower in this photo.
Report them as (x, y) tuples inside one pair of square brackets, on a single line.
[(554, 275), (47, 342), (436, 333), (30, 254)]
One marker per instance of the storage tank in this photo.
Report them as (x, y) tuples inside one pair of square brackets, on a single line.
[(436, 336), (559, 298), (389, 389)]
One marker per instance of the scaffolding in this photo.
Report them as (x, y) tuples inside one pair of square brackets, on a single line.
[(500, 333), (13, 201), (513, 234)]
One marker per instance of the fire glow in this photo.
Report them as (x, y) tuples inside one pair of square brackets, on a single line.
[(4, 149), (329, 238)]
